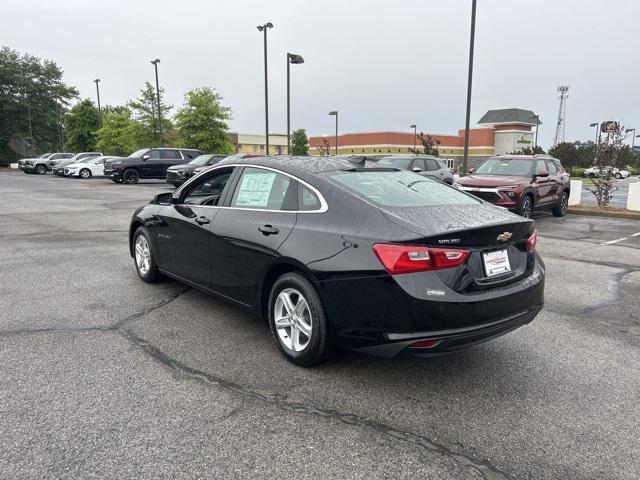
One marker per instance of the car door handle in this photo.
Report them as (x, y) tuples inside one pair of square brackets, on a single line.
[(202, 220), (268, 230)]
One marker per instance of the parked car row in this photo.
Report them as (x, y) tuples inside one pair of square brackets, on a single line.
[(596, 172)]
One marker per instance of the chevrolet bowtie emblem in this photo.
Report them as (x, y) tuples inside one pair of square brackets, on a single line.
[(505, 236)]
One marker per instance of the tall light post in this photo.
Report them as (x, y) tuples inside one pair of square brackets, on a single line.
[(97, 80), (465, 159), (155, 64), (263, 29), (535, 142), (335, 114), (633, 137), (415, 136), (597, 126), (296, 60)]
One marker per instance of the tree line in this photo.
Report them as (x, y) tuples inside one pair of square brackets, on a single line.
[(36, 116)]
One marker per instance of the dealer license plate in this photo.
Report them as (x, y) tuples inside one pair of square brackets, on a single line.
[(496, 263)]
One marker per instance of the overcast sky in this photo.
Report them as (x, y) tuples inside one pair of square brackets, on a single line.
[(383, 64)]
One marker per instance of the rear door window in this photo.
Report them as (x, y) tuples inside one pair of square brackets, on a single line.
[(265, 190), (170, 155), (307, 199), (432, 165), (401, 189)]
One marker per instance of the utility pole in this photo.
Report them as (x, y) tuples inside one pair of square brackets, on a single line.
[(263, 29), (97, 80), (465, 159), (415, 136), (562, 110), (155, 64)]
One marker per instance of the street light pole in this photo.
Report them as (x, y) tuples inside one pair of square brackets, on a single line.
[(465, 159), (415, 135), (335, 114), (597, 125), (155, 64), (535, 142), (97, 80), (633, 137), (263, 29), (295, 59)]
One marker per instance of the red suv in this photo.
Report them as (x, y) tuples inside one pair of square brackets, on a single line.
[(521, 183)]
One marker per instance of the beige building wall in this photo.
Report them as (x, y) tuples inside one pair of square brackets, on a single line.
[(255, 144)]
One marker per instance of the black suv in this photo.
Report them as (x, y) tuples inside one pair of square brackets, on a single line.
[(178, 174), (147, 163)]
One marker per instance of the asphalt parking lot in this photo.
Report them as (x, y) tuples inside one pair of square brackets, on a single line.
[(104, 376)]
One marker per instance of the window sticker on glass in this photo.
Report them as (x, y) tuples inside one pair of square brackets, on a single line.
[(255, 189)]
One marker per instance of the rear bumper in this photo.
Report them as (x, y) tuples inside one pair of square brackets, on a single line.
[(449, 341), (376, 315)]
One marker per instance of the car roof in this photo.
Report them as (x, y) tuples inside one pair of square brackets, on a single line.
[(308, 164)]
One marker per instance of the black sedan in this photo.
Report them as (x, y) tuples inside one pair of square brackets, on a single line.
[(178, 174), (334, 253)]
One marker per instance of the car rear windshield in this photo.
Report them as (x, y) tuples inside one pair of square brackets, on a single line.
[(505, 166), (401, 189), (402, 163)]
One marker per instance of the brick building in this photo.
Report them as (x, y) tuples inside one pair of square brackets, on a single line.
[(500, 132)]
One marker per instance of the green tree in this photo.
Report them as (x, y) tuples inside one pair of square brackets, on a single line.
[(120, 133), (80, 125), (145, 112), (201, 122), (299, 142), (567, 153), (530, 150), (32, 97), (429, 145)]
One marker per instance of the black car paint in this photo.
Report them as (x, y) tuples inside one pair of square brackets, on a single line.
[(368, 309), (178, 174), (148, 168)]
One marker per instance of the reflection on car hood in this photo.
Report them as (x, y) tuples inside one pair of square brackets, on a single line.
[(182, 166), (490, 180)]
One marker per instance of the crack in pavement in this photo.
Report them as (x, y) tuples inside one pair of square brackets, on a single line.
[(482, 466), (105, 328)]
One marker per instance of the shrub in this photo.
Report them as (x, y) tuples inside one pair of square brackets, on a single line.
[(634, 171), (577, 172)]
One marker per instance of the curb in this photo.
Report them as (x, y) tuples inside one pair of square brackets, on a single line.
[(611, 213)]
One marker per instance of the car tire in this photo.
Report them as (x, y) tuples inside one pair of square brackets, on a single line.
[(618, 176), (130, 176), (560, 210), (144, 257), (85, 173), (41, 169), (296, 346), (592, 176), (525, 207)]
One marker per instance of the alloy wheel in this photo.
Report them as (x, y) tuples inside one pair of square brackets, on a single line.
[(564, 203), (293, 320), (41, 169), (526, 208), (130, 176), (143, 255), (85, 173)]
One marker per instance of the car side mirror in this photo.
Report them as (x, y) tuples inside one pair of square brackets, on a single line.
[(542, 174), (165, 198), (416, 169), (146, 156), (471, 170)]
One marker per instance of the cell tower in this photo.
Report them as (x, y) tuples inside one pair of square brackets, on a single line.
[(563, 93)]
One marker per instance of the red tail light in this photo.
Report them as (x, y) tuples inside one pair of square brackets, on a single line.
[(425, 343), (406, 259), (532, 241)]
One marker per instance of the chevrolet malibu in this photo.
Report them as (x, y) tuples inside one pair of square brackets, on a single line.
[(337, 254)]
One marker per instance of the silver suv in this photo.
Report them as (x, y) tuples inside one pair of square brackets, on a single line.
[(43, 163), (425, 165)]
